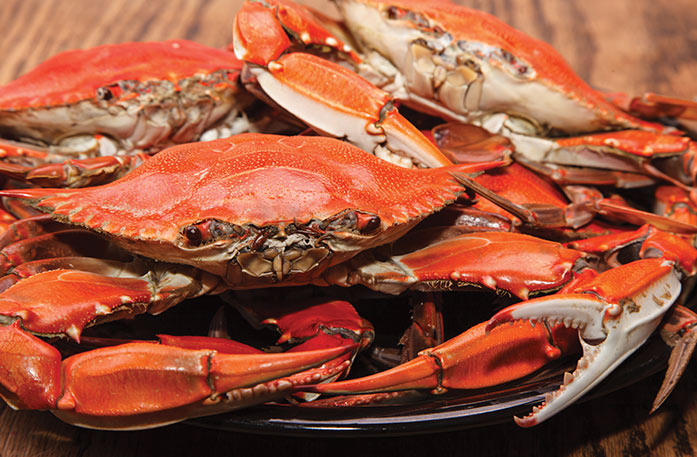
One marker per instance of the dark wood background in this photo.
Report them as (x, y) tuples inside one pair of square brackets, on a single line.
[(625, 45)]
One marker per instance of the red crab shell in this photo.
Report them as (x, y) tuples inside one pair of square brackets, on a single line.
[(76, 75), (253, 180)]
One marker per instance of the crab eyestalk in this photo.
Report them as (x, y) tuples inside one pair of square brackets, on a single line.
[(615, 312)]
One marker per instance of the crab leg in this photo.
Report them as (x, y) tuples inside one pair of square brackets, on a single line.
[(472, 360), (63, 243), (6, 221), (678, 332), (629, 151), (69, 173), (195, 382), (116, 387), (654, 106), (615, 313), (540, 206), (519, 264), (426, 329), (652, 243)]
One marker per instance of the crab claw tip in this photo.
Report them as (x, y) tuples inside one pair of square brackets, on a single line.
[(500, 318), (525, 422)]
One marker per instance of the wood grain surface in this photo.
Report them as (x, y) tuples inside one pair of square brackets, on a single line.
[(624, 45)]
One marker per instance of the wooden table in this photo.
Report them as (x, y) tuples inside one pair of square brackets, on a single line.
[(627, 45)]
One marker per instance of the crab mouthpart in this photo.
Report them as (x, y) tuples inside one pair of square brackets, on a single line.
[(609, 332)]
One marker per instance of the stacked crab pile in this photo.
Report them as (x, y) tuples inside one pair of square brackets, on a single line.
[(141, 175)]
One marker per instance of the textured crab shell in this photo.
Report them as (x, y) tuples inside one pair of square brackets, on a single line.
[(250, 180), (72, 76)]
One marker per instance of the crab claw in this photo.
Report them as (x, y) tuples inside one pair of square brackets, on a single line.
[(149, 384), (615, 313)]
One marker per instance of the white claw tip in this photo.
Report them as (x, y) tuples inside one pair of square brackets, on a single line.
[(74, 333), (275, 66)]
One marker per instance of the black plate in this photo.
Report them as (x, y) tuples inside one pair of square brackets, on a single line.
[(427, 413)]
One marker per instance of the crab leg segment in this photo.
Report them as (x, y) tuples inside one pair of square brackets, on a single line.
[(260, 32), (615, 313), (519, 264), (142, 385), (317, 324), (678, 331), (652, 243), (654, 106), (31, 369), (472, 360), (339, 103)]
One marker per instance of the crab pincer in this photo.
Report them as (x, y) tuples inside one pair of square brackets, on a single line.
[(615, 312)]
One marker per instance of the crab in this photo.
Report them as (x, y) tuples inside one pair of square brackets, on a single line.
[(89, 116), (210, 235)]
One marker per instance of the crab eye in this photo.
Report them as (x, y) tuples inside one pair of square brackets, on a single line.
[(394, 13), (193, 235), (103, 93), (367, 223)]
